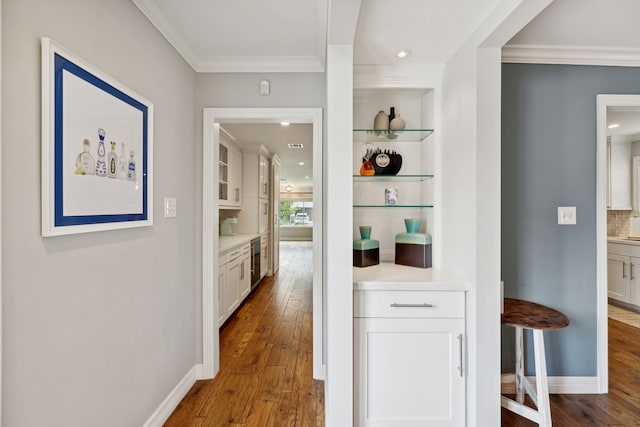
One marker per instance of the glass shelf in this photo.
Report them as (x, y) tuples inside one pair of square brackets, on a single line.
[(394, 178), (404, 135), (394, 207)]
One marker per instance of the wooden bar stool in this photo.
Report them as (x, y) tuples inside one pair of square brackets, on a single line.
[(528, 315)]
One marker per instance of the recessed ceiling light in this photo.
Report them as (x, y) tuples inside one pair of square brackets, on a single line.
[(284, 123), (295, 145), (301, 163), (403, 54), (613, 126), (306, 177)]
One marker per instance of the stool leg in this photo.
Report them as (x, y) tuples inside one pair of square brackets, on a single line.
[(519, 366), (541, 379)]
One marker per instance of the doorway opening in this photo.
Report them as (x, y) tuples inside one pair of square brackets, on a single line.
[(617, 201), (213, 117)]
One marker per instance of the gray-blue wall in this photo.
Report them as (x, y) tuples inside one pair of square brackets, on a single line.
[(549, 160)]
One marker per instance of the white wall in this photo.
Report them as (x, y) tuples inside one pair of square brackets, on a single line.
[(98, 328), (471, 227)]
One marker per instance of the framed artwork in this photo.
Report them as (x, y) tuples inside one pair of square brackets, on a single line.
[(97, 149)]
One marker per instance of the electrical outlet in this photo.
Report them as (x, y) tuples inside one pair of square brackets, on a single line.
[(566, 215), (170, 209)]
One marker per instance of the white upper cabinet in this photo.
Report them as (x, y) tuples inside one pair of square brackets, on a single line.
[(619, 162), (230, 172), (254, 216)]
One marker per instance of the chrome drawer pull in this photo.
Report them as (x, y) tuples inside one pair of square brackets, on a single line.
[(424, 304)]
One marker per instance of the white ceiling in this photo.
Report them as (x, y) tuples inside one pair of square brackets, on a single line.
[(275, 137), (584, 23), (291, 35)]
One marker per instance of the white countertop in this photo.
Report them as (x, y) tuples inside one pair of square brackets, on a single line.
[(227, 242), (387, 276), (622, 240)]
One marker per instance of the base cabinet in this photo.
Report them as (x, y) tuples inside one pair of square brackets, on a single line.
[(623, 273), (409, 371), (234, 280)]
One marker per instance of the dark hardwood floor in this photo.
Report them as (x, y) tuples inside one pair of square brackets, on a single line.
[(265, 377), (620, 407)]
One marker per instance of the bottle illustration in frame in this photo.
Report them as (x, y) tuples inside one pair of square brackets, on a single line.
[(101, 165)]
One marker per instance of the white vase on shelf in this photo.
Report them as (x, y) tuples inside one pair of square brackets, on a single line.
[(397, 123)]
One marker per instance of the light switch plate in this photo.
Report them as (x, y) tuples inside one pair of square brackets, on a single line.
[(170, 207), (566, 215)]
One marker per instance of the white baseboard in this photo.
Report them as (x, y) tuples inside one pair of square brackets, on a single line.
[(170, 403), (561, 385)]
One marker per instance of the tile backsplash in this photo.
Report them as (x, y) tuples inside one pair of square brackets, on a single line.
[(618, 223)]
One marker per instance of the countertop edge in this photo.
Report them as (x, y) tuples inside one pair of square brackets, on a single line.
[(392, 277), (227, 242), (622, 241)]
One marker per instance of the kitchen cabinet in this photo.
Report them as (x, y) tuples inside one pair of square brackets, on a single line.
[(619, 173), (274, 227), (229, 172), (264, 254), (234, 280), (410, 364), (254, 216), (623, 268)]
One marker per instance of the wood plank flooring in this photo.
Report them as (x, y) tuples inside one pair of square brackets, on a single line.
[(620, 407), (265, 377)]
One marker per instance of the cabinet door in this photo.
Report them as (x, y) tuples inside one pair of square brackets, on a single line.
[(264, 256), (275, 209), (620, 175), (634, 280), (222, 310), (618, 277), (263, 218), (223, 173), (235, 177), (232, 287), (263, 181), (245, 276), (409, 372)]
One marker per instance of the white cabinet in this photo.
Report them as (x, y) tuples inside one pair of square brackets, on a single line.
[(409, 358), (229, 172), (264, 254), (234, 280), (274, 228), (254, 216), (619, 182), (623, 269)]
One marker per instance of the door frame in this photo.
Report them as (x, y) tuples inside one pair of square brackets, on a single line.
[(602, 102), (210, 215)]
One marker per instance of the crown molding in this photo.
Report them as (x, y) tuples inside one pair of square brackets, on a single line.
[(167, 29), (571, 55), (260, 64), (397, 76)]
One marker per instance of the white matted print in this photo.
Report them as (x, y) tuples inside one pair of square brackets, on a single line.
[(96, 149)]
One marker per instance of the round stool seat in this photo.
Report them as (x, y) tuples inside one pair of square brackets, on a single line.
[(529, 315)]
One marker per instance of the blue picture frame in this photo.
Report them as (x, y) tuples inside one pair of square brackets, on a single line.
[(84, 110)]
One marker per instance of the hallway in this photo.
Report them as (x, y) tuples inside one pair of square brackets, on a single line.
[(265, 376)]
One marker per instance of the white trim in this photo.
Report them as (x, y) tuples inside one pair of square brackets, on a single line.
[(1, 275), (558, 385), (231, 64), (163, 24), (212, 116), (171, 402), (259, 64), (571, 55)]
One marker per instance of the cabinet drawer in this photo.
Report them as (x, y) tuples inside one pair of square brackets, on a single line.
[(233, 253), (403, 304), (222, 258), (246, 249)]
